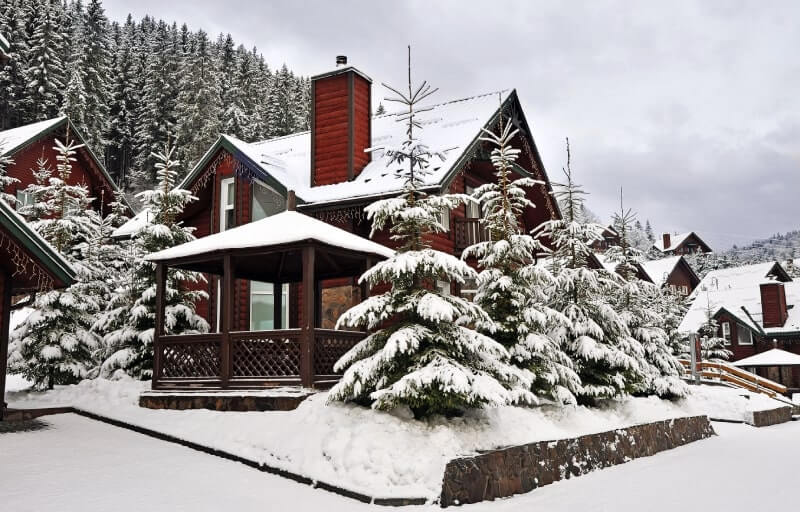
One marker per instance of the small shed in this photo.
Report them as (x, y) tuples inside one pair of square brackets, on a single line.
[(285, 248), (28, 264)]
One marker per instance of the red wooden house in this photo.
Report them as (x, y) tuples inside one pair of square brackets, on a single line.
[(335, 178), (681, 244), (757, 308), (673, 272), (26, 144)]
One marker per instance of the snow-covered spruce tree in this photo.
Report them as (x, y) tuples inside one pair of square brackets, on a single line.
[(511, 287), (662, 371), (6, 180), (423, 353), (671, 306), (607, 359), (712, 345), (55, 344), (37, 208), (45, 69), (129, 320)]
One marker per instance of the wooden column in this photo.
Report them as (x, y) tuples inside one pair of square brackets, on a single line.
[(277, 300), (5, 321), (226, 318), (307, 335), (158, 331)]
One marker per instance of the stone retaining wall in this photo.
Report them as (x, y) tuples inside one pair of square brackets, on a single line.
[(771, 417), (518, 469), (221, 402)]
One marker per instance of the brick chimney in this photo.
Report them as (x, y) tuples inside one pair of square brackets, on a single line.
[(667, 240), (340, 124), (773, 304)]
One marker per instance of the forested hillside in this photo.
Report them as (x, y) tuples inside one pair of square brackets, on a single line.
[(780, 247), (134, 85)]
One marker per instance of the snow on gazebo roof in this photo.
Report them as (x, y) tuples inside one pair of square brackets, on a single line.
[(773, 357), (284, 228)]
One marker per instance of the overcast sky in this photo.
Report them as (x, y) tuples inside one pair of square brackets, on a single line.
[(692, 107)]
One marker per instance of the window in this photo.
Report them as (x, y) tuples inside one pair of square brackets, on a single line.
[(744, 336), (684, 290), (473, 208), (726, 332), (24, 199), (262, 306), (443, 287), (227, 213), (266, 201), (469, 289), (444, 219)]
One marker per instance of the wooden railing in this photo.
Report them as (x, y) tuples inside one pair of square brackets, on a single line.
[(468, 232), (252, 360), (736, 376)]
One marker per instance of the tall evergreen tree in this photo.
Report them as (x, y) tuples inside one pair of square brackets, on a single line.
[(512, 288), (428, 358), (607, 359), (6, 180), (45, 69), (129, 320), (97, 68), (13, 74)]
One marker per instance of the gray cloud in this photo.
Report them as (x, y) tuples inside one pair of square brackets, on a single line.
[(690, 106)]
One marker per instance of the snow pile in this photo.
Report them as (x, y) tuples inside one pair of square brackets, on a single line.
[(377, 453)]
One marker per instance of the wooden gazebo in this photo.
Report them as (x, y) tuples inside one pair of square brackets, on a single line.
[(27, 265), (285, 248)]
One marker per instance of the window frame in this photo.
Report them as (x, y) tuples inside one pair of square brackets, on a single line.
[(444, 287), (224, 207), (740, 328), (726, 331)]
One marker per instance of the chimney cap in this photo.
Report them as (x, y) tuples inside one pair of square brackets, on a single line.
[(341, 60)]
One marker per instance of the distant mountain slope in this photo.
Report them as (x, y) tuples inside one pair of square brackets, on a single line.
[(780, 247)]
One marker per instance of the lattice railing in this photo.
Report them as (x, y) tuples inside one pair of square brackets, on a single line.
[(329, 346), (190, 356), (265, 354)]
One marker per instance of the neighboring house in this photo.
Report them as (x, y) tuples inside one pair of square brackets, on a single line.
[(26, 144), (756, 307), (334, 178), (684, 243), (610, 239), (673, 272)]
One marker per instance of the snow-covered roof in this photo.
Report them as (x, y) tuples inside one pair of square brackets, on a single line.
[(659, 270), (607, 264), (675, 241), (11, 140), (452, 126), (734, 288), (773, 357), (133, 225), (284, 228)]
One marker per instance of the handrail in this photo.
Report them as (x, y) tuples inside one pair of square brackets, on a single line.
[(737, 376)]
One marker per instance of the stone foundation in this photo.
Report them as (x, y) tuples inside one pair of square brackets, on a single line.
[(771, 417), (221, 402), (518, 469)]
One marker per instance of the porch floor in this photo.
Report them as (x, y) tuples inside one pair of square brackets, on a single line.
[(273, 399)]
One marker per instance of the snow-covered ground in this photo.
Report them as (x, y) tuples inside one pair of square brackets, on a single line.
[(80, 464), (376, 453)]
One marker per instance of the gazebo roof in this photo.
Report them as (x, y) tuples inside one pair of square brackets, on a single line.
[(282, 229), (21, 237), (773, 357), (269, 250)]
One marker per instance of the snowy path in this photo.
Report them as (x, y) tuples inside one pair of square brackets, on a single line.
[(80, 464)]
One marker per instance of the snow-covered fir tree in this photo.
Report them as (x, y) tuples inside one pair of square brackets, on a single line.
[(712, 345), (45, 71), (96, 66), (428, 357), (511, 287), (607, 359), (661, 370), (129, 320), (55, 343), (6, 180)]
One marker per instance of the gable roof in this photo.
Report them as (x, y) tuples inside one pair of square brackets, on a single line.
[(659, 270), (453, 127), (732, 289), (677, 240), (15, 139), (36, 246), (283, 228)]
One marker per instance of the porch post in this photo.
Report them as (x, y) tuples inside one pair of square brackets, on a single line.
[(5, 321), (228, 291), (277, 302), (158, 331), (307, 335)]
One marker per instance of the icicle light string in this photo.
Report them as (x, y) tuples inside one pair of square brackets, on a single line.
[(21, 261)]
